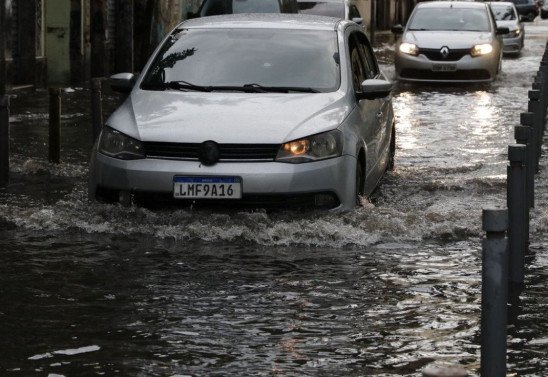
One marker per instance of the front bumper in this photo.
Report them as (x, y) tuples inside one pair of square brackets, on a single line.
[(468, 69), (155, 176), (512, 45)]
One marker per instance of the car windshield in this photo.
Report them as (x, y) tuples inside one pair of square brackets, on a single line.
[(261, 59), (503, 12), (450, 19), (322, 9), (218, 7)]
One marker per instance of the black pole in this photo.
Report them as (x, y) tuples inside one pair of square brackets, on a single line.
[(523, 136), (494, 293), (96, 108), (518, 211), (54, 125), (4, 140), (3, 33)]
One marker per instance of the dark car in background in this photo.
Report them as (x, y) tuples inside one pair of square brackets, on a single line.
[(343, 9), (529, 9), (219, 7)]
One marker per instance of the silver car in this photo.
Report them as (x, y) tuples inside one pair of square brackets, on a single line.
[(449, 41), (506, 15), (270, 109)]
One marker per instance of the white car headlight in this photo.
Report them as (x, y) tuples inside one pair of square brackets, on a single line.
[(115, 144), (513, 33), (313, 148), (483, 49), (409, 48)]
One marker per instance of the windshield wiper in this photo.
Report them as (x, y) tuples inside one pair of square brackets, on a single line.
[(250, 88), (182, 85), (281, 89)]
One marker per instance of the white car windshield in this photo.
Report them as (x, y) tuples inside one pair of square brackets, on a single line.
[(450, 19), (503, 12), (263, 59)]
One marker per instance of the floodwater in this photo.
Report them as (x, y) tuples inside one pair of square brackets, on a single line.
[(94, 289)]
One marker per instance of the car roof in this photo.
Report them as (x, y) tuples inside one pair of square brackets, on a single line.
[(289, 21), (507, 3), (451, 4)]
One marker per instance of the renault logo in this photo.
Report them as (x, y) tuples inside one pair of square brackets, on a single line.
[(208, 153), (444, 52)]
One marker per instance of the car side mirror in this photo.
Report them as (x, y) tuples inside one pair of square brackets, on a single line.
[(522, 18), (358, 20), (122, 82), (397, 29), (375, 88), (502, 30), (190, 15)]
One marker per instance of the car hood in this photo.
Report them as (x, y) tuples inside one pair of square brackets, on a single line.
[(510, 24), (451, 39), (194, 117)]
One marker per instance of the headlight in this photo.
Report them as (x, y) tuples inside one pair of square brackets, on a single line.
[(479, 50), (312, 148), (115, 144), (409, 48), (513, 33)]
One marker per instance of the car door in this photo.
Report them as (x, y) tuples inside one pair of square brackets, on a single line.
[(369, 127), (374, 114)]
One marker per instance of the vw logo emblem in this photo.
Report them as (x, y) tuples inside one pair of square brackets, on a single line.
[(444, 52), (208, 153)]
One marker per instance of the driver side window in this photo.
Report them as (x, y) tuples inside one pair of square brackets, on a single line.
[(356, 64)]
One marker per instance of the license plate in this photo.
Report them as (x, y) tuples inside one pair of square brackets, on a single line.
[(444, 67), (207, 188)]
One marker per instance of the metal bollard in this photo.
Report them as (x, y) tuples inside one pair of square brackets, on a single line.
[(4, 141), (494, 293), (96, 108), (537, 122), (54, 125), (518, 211), (528, 120), (523, 136)]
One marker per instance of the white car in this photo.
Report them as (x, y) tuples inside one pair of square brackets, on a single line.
[(278, 109), (507, 15), (449, 41)]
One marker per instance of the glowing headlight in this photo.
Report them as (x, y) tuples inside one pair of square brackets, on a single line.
[(479, 50), (115, 144), (409, 48), (312, 148), (513, 33)]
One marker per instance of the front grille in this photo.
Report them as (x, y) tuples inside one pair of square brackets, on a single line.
[(463, 75), (228, 152), (435, 54)]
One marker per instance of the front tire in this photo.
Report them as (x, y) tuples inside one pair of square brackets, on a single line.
[(392, 153), (360, 180)]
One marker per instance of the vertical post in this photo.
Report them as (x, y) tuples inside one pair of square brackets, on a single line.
[(3, 33), (534, 106), (528, 120), (4, 140), (54, 125), (518, 211), (523, 136), (99, 60), (96, 108), (494, 293), (26, 24), (124, 36)]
